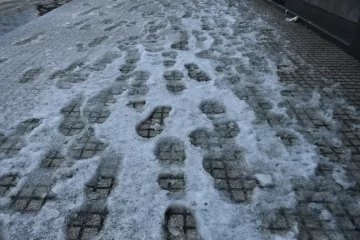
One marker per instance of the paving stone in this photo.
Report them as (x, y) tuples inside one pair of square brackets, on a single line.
[(227, 129), (136, 90), (208, 140), (10, 146), (279, 222), (90, 219), (212, 108), (154, 124), (287, 137), (311, 64), (72, 123), (31, 197), (169, 63), (179, 223), (52, 160), (172, 182), (173, 75), (7, 182), (170, 150), (85, 225), (97, 115), (175, 87), (87, 146), (228, 176), (100, 188), (195, 73)]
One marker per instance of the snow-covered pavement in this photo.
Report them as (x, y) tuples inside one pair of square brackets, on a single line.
[(170, 120)]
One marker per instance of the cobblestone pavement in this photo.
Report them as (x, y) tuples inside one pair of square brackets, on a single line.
[(204, 119)]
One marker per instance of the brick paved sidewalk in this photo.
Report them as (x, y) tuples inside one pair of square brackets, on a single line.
[(335, 75), (211, 119)]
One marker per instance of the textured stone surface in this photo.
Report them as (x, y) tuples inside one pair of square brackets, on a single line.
[(153, 125), (87, 146), (172, 182), (7, 182), (179, 224), (52, 160), (170, 150), (90, 219), (72, 123), (195, 73), (31, 197)]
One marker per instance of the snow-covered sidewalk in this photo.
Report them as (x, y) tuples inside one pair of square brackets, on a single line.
[(167, 119)]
